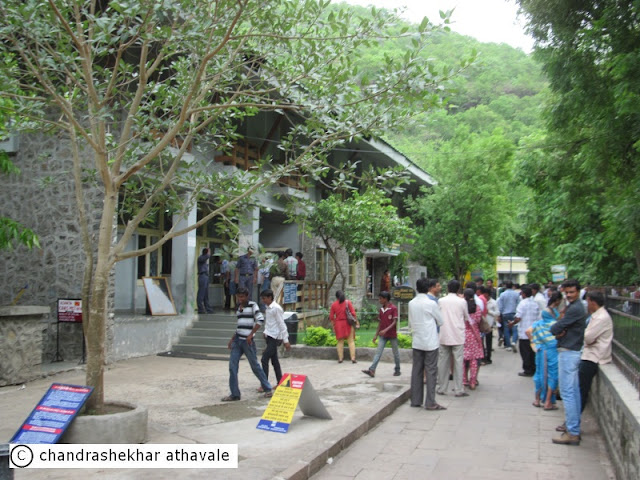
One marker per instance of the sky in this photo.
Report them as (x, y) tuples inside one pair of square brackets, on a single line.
[(486, 20)]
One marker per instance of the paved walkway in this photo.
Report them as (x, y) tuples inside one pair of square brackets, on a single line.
[(493, 434)]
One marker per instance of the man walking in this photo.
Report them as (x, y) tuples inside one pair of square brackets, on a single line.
[(387, 330), (507, 303), (424, 320), (275, 333), (203, 282), (527, 313), (454, 314), (569, 330), (250, 320)]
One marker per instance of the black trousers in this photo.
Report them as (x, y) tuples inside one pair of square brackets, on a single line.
[(586, 371), (488, 344), (528, 356), (271, 353)]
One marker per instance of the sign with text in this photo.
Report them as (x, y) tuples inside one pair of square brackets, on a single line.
[(49, 420), (293, 390), (290, 293), (403, 294), (70, 310)]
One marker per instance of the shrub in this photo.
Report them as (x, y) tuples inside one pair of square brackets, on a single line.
[(404, 341)]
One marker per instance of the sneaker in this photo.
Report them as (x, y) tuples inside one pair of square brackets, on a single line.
[(567, 439), (514, 349)]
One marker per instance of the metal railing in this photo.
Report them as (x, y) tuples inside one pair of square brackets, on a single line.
[(625, 313)]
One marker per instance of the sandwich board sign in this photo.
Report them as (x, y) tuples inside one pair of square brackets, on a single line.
[(293, 390), (52, 415)]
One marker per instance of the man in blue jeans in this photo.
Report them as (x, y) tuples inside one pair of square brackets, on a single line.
[(250, 320), (569, 331), (507, 304), (388, 332)]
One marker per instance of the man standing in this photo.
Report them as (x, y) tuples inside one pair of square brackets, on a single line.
[(507, 303), (454, 314), (527, 313), (434, 290), (275, 332), (250, 320), (598, 337), (492, 291), (246, 271), (538, 297), (424, 320), (292, 264), (387, 331), (301, 271), (203, 282), (569, 330)]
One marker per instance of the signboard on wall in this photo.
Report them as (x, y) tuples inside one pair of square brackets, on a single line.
[(402, 294), (290, 293)]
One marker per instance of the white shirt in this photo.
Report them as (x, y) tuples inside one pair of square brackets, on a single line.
[(455, 312), (424, 320), (492, 311), (274, 325), (528, 312), (542, 303)]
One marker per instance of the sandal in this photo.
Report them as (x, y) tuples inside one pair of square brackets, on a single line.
[(537, 404), (268, 394), (552, 407), (437, 406), (230, 398), (260, 390)]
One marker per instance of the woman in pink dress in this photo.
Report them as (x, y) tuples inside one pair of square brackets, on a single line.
[(473, 350), (341, 327)]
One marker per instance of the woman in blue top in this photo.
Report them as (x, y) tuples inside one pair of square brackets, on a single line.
[(545, 344)]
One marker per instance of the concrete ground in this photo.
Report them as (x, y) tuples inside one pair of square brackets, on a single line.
[(495, 433)]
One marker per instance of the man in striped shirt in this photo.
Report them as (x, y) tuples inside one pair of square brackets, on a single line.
[(250, 320)]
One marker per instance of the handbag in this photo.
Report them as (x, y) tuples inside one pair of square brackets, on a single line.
[(351, 320), (484, 325)]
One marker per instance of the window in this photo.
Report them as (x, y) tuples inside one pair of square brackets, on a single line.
[(352, 275), (321, 264)]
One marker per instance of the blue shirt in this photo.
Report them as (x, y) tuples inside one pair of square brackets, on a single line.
[(508, 301)]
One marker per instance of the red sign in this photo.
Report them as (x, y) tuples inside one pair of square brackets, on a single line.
[(69, 310)]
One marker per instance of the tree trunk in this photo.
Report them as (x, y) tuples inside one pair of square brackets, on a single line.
[(96, 330)]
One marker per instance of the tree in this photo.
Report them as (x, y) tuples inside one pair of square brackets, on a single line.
[(463, 220), (353, 222), (589, 51), (11, 231), (134, 85)]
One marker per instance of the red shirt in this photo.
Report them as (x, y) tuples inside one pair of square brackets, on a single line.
[(302, 270), (386, 316)]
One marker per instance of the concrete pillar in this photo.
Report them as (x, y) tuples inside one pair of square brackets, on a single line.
[(183, 265), (249, 226)]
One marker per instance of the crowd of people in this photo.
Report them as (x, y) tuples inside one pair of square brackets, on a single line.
[(562, 333), (246, 272)]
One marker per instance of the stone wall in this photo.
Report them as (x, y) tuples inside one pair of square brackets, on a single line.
[(42, 197), (21, 329), (617, 407)]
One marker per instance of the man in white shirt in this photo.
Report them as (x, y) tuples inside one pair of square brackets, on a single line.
[(527, 313), (424, 320), (275, 333), (538, 297), (454, 313)]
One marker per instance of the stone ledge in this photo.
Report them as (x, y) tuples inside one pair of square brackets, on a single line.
[(23, 311)]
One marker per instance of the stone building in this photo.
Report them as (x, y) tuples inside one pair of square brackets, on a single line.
[(42, 198)]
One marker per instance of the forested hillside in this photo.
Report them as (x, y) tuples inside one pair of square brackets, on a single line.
[(501, 168)]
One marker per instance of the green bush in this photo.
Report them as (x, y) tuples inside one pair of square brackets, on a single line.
[(404, 341), (320, 337)]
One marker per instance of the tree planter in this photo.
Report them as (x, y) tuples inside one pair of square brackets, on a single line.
[(128, 426)]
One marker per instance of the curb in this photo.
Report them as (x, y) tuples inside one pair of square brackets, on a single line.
[(304, 469)]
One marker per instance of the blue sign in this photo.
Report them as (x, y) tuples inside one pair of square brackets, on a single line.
[(50, 419), (290, 293)]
